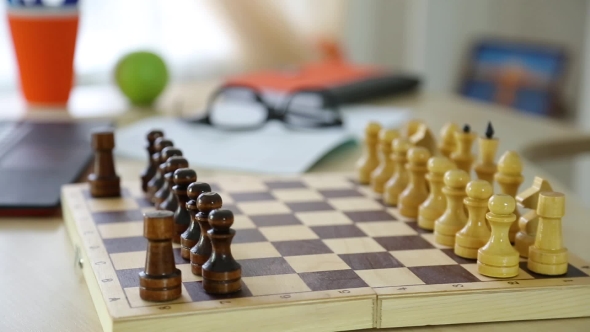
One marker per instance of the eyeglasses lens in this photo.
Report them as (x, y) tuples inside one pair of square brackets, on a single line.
[(237, 108), (309, 109)]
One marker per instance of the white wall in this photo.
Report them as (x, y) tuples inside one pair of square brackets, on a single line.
[(433, 36)]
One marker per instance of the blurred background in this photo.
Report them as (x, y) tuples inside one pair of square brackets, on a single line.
[(530, 55), (448, 43)]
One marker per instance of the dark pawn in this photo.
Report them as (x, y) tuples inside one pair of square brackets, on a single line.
[(182, 178), (161, 197), (191, 236), (149, 172), (166, 154), (201, 252), (161, 280), (221, 273), (160, 144), (104, 181)]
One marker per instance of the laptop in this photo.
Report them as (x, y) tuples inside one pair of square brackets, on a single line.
[(37, 158)]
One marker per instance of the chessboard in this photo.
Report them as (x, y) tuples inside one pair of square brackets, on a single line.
[(319, 252)]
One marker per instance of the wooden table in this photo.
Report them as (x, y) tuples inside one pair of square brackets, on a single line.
[(44, 290)]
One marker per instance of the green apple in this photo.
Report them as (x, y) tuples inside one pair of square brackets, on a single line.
[(141, 76)]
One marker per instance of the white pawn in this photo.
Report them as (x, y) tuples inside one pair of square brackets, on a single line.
[(498, 258), (454, 217), (417, 191), (475, 234), (436, 203), (369, 160)]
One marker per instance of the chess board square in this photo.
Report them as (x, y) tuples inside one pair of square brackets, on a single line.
[(340, 193), (458, 259), (400, 276), (284, 184), (125, 244), (367, 191), (328, 280), (265, 266), (572, 272), (129, 277), (364, 216), (403, 243), (315, 263), (353, 245), (136, 301), (112, 204), (263, 208), (128, 260), (354, 204), (251, 196), (233, 208), (117, 216), (395, 212), (240, 184), (297, 195), (275, 220), (385, 228), (248, 235), (370, 260), (187, 273), (472, 268), (123, 229), (309, 206), (304, 247), (429, 237), (288, 233), (254, 250), (323, 218), (178, 258), (414, 226), (443, 274), (337, 231), (142, 202), (215, 187), (423, 257), (197, 294), (279, 284), (325, 181), (242, 222)]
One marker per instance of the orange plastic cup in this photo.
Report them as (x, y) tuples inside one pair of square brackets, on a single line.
[(44, 41)]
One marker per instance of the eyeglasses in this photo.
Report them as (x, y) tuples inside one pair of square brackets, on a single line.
[(238, 107)]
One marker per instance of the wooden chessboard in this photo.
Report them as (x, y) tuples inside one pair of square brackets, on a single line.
[(318, 253)]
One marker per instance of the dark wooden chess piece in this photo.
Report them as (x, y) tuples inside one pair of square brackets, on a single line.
[(156, 182), (149, 172), (182, 178), (201, 252), (104, 181), (221, 273), (191, 236), (161, 196), (161, 280), (167, 153)]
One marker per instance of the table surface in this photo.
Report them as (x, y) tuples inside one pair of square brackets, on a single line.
[(43, 289)]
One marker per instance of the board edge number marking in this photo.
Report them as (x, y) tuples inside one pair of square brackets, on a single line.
[(344, 291), (107, 280), (568, 280), (402, 288), (586, 267), (286, 296), (166, 307), (458, 285), (100, 263), (113, 299), (93, 247), (224, 302), (513, 282)]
